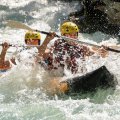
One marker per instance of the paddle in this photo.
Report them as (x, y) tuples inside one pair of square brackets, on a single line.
[(16, 24), (13, 45)]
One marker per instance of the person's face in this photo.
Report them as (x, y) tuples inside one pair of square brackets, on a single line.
[(32, 42), (72, 35)]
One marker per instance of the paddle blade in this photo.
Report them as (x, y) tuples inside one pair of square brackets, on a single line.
[(16, 24)]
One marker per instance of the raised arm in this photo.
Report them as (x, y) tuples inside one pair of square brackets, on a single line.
[(3, 63), (43, 51)]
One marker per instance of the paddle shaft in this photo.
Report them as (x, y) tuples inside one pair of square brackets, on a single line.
[(76, 40), (22, 45), (69, 39), (16, 24)]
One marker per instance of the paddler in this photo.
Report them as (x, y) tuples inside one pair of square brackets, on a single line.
[(31, 38), (64, 54)]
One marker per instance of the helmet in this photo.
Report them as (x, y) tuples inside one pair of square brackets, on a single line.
[(33, 36), (68, 27)]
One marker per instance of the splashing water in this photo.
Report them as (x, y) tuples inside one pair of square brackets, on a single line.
[(21, 88)]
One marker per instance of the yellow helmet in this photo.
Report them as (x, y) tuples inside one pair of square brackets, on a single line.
[(68, 27), (33, 36)]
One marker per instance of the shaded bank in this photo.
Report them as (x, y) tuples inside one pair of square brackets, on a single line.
[(93, 17)]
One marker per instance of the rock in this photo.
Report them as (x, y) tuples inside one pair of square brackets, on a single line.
[(112, 9), (98, 16)]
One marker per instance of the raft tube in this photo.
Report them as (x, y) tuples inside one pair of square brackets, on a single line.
[(99, 78)]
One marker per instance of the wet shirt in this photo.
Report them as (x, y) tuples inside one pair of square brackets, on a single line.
[(67, 55)]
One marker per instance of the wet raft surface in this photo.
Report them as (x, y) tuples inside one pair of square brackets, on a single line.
[(101, 78)]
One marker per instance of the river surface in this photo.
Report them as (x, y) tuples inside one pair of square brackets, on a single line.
[(20, 95)]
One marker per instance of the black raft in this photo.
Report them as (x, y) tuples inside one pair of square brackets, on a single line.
[(90, 82)]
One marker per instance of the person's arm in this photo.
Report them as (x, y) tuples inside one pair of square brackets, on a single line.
[(101, 51), (88, 51), (43, 48), (4, 63)]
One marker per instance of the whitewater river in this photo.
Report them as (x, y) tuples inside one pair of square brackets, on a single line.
[(20, 95)]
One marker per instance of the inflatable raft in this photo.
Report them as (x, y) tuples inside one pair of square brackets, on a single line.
[(100, 78)]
